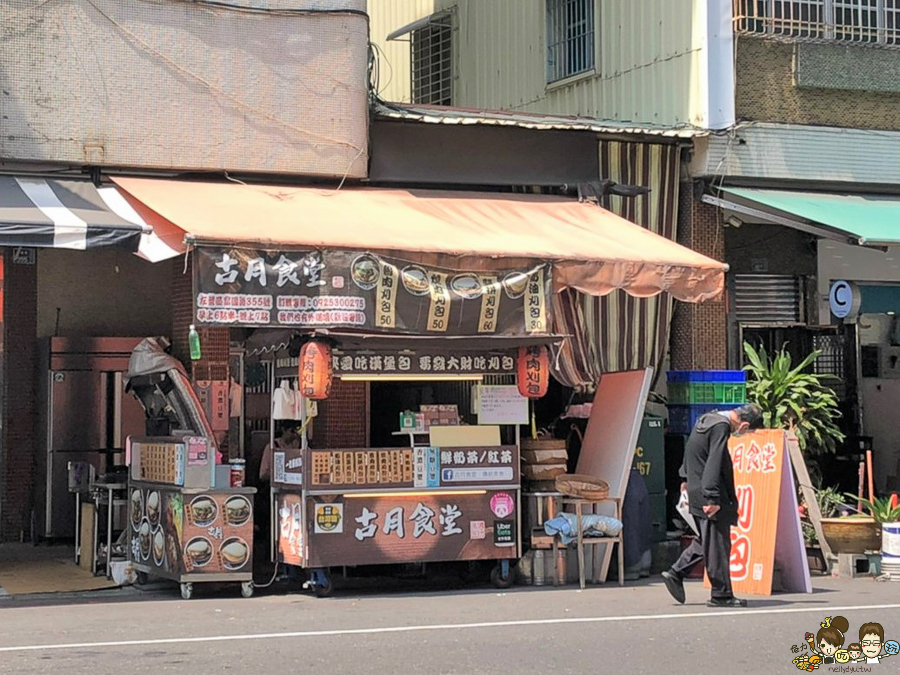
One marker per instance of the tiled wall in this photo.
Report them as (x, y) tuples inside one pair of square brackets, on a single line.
[(699, 331)]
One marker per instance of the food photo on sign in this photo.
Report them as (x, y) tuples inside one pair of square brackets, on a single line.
[(305, 289)]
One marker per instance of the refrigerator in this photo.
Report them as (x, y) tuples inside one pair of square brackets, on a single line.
[(85, 416)]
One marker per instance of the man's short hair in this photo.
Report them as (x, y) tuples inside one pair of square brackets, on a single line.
[(750, 413)]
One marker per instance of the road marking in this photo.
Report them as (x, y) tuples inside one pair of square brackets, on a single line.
[(443, 627)]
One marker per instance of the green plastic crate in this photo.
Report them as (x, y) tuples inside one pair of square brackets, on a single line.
[(708, 393)]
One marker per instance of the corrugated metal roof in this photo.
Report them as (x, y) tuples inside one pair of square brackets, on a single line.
[(431, 114), (767, 151)]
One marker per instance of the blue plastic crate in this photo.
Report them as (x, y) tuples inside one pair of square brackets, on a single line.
[(682, 418), (707, 376)]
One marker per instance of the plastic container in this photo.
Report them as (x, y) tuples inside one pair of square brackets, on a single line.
[(682, 418), (238, 470), (194, 343), (890, 543), (689, 393), (707, 376)]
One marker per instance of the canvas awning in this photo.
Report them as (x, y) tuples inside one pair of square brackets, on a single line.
[(67, 214), (592, 250), (861, 219)]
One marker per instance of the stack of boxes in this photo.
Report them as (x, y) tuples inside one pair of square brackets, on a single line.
[(693, 393), (443, 415)]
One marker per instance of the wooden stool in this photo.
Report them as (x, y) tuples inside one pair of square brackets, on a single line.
[(579, 505)]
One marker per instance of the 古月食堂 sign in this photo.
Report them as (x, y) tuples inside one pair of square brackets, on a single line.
[(308, 289)]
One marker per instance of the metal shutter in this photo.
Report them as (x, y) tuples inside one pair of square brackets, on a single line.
[(768, 299)]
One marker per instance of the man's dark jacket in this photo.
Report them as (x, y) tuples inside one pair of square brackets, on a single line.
[(708, 469)]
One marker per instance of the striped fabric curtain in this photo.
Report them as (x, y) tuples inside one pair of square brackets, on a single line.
[(619, 332)]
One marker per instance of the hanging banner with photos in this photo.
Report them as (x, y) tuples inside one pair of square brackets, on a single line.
[(365, 291)]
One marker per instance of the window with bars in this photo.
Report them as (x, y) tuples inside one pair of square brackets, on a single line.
[(856, 21), (432, 62), (570, 38)]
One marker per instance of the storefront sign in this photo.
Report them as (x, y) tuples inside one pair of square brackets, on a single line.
[(399, 362), (423, 527), (413, 467), (844, 299), (308, 289)]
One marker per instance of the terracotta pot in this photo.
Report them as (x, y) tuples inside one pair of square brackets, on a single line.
[(852, 535)]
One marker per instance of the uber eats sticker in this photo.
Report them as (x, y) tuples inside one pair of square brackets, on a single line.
[(329, 519), (504, 533)]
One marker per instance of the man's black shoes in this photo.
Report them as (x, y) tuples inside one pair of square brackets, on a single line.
[(675, 586), (727, 602)]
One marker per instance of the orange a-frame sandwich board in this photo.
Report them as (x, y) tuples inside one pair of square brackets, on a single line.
[(768, 533)]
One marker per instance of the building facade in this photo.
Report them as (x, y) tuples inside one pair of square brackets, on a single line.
[(98, 88), (797, 96)]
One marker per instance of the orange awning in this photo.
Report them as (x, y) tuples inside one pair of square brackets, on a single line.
[(592, 250)]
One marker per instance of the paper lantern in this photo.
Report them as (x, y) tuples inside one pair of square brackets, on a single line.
[(533, 371), (316, 370)]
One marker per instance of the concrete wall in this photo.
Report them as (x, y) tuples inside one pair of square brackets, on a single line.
[(180, 85)]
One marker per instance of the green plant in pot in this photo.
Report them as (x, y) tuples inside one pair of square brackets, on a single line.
[(791, 398)]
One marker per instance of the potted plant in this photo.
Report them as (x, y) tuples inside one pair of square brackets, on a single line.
[(830, 503), (885, 516), (791, 398)]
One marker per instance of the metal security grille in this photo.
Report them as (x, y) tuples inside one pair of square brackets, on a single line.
[(432, 62), (570, 38), (857, 21), (768, 299), (831, 361)]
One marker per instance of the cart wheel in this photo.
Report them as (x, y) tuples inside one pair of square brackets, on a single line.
[(247, 589), (187, 590), (501, 575), (321, 583), (142, 578)]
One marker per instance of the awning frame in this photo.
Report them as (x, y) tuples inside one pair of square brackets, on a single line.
[(416, 25), (778, 217)]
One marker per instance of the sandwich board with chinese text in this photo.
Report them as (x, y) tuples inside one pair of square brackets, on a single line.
[(768, 533)]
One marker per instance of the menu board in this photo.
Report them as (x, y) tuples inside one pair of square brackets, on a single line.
[(422, 467), (383, 468), (174, 534), (501, 404), (158, 462)]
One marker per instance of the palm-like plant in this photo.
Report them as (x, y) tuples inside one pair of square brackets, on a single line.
[(793, 399)]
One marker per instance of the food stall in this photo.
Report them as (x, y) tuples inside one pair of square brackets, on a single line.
[(188, 523), (448, 491), (444, 484)]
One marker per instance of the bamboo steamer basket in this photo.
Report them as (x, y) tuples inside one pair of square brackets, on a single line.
[(544, 451), (582, 487)]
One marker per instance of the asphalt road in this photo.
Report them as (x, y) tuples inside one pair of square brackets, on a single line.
[(636, 629)]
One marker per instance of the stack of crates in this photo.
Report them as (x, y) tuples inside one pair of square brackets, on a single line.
[(693, 393)]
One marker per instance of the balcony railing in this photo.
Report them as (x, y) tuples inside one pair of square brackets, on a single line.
[(870, 22)]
